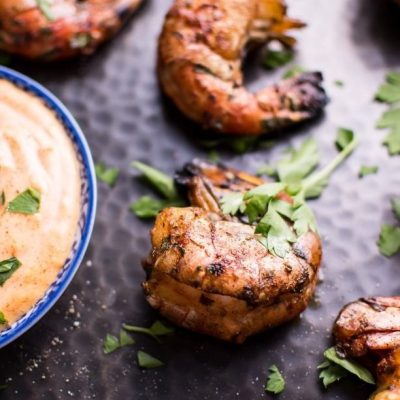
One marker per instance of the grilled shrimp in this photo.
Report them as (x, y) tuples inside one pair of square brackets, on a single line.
[(369, 329), (199, 66), (208, 272), (59, 29)]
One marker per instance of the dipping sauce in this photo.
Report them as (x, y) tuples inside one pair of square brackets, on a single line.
[(35, 153)]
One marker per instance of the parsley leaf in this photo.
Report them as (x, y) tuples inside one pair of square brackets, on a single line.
[(3, 320), (304, 220), (148, 207), (276, 382), (293, 71), (277, 58), (331, 373), (161, 182), (277, 232), (145, 360), (344, 138), (156, 330), (231, 203), (396, 208), (112, 343), (392, 141), (367, 170), (45, 8), (349, 365), (339, 83), (7, 268), (27, 202), (390, 93), (314, 184), (299, 163), (280, 223), (389, 240), (107, 175)]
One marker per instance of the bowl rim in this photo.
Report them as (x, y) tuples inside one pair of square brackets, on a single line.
[(73, 129)]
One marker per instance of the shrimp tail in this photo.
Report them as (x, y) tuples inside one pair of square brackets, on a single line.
[(292, 101)]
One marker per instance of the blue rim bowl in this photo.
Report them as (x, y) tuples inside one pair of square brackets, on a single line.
[(88, 206)]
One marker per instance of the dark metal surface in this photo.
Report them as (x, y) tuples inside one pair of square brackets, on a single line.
[(115, 97)]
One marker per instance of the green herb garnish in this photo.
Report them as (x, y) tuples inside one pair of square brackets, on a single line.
[(7, 268), (277, 58), (389, 93), (145, 360), (367, 170), (161, 182), (278, 223), (27, 202), (156, 330), (338, 83), (389, 240), (45, 8), (112, 343), (335, 368), (3, 319), (293, 71), (389, 237), (396, 208), (149, 207), (275, 382), (107, 175)]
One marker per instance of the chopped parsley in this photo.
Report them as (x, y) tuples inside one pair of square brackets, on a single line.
[(277, 58), (7, 268), (27, 202), (389, 237), (338, 83), (396, 208), (106, 175), (367, 170), (335, 368), (3, 320), (155, 330), (293, 71), (389, 240), (145, 360), (112, 343), (161, 182), (278, 223), (149, 207), (45, 8), (275, 382), (389, 93)]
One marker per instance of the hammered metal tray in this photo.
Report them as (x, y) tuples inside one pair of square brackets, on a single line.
[(115, 97)]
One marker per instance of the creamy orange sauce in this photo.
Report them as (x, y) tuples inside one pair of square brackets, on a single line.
[(35, 152)]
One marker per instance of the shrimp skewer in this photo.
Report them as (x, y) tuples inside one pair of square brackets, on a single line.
[(199, 66), (369, 329), (59, 29)]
